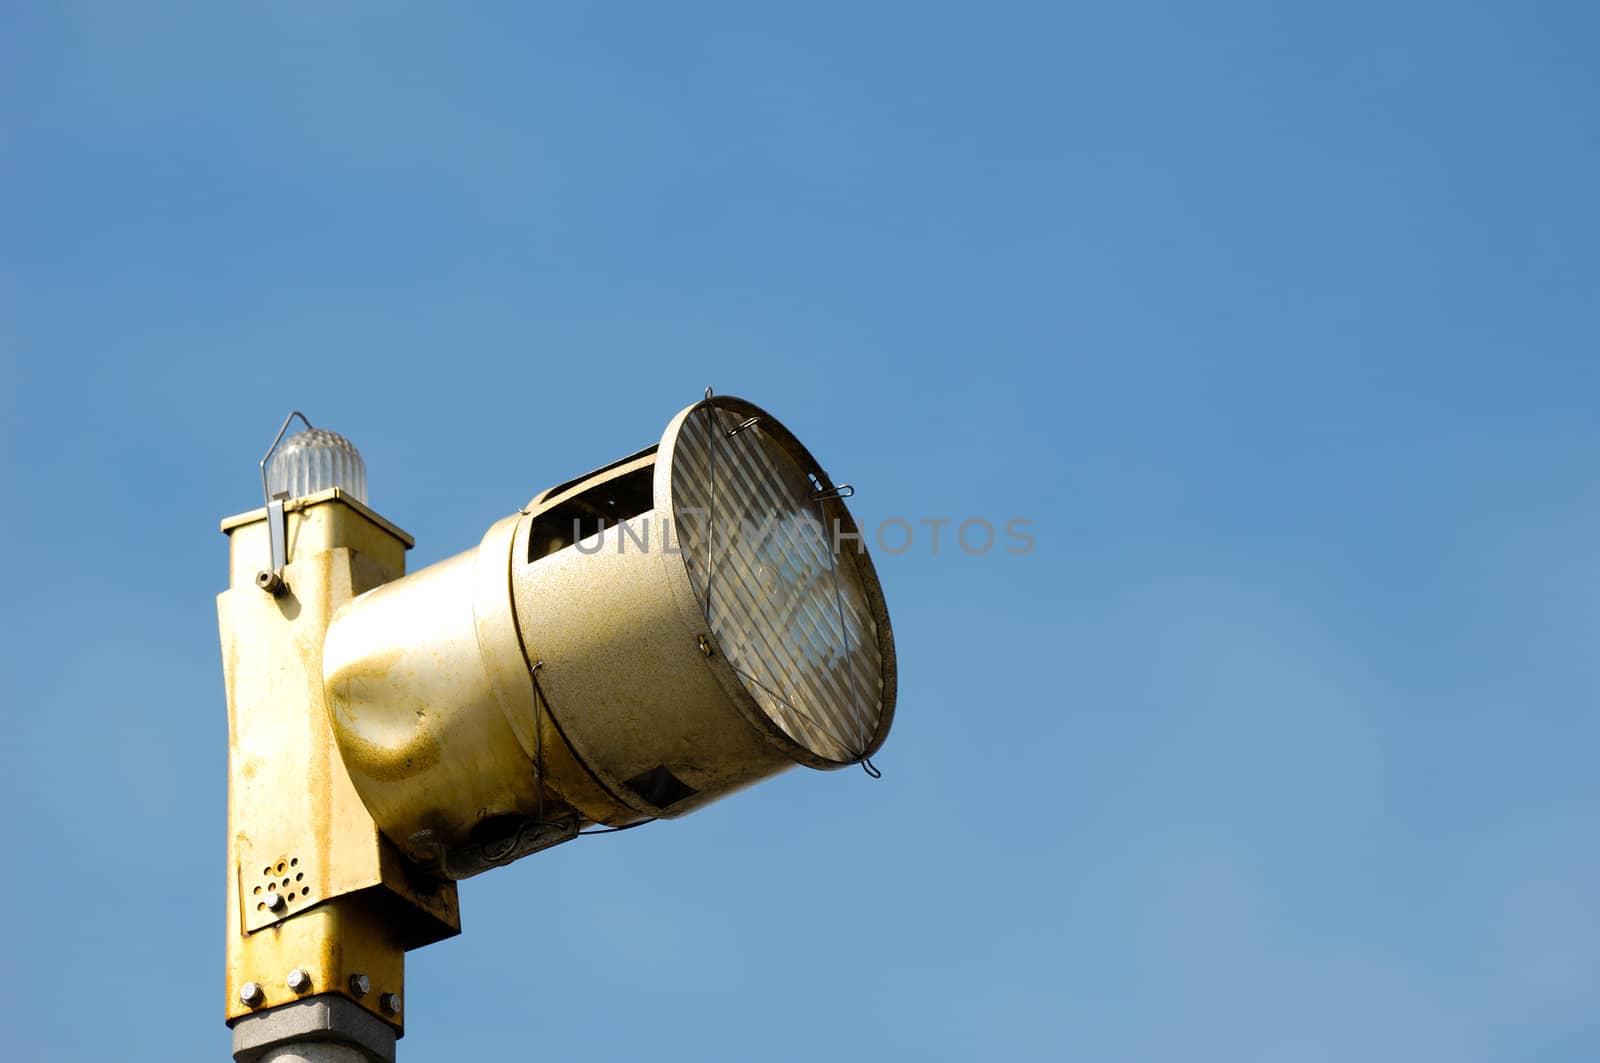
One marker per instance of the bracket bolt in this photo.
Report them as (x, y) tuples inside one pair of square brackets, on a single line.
[(251, 995), (360, 985), (274, 900), (299, 980), (270, 582), (389, 1003)]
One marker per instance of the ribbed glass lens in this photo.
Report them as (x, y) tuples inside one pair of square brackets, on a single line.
[(791, 617), (315, 460)]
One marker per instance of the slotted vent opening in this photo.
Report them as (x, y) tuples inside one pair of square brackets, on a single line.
[(590, 511), (660, 787)]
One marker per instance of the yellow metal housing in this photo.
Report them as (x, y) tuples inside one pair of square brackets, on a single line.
[(311, 882), (564, 672)]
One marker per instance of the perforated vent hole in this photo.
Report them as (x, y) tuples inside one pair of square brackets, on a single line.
[(276, 879)]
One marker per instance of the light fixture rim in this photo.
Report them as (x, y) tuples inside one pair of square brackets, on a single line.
[(834, 509)]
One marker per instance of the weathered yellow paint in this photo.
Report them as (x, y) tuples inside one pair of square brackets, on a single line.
[(331, 941), (295, 823)]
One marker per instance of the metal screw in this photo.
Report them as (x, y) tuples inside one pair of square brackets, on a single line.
[(274, 900), (299, 980), (270, 582), (251, 995), (389, 1003), (360, 985)]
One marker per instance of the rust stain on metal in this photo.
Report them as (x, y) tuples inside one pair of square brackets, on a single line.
[(315, 885)]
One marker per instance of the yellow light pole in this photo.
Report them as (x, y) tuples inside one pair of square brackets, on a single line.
[(321, 907), (630, 645)]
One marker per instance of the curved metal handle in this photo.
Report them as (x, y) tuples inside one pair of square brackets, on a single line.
[(270, 579), (275, 441)]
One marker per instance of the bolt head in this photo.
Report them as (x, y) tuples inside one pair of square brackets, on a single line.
[(274, 900), (389, 1003), (299, 980), (251, 995), (360, 985)]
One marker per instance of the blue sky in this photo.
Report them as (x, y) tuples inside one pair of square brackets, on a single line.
[(1279, 325)]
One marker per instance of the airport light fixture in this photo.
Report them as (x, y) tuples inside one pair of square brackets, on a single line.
[(631, 645)]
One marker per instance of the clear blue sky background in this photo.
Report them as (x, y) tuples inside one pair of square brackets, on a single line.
[(1281, 328)]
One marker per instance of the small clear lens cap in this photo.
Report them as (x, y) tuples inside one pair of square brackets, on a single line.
[(315, 460)]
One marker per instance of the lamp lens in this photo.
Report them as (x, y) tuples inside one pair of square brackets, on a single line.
[(789, 611), (315, 460)]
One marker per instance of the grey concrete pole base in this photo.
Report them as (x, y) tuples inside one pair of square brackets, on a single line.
[(315, 1053), (322, 1029)]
